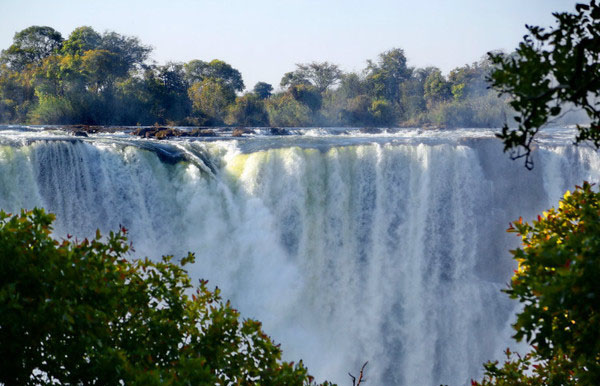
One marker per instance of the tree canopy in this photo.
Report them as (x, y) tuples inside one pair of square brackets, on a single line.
[(263, 90), (106, 78), (198, 71), (551, 68), (30, 46), (80, 312), (320, 75)]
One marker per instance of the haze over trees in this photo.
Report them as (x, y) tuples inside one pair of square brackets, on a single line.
[(109, 79)]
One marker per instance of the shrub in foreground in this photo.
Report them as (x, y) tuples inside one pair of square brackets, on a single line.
[(557, 282), (78, 312)]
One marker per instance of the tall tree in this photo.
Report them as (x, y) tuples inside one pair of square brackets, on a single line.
[(388, 73), (198, 71), (31, 45), (263, 90), (82, 39), (129, 49), (437, 88), (321, 75), (248, 110), (212, 96)]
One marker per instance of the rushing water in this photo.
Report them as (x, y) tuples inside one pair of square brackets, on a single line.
[(349, 247)]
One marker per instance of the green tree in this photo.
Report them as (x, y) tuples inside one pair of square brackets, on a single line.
[(352, 85), (358, 111), (557, 282), (198, 71), (436, 88), (382, 113), (30, 46), (284, 110), (413, 100), (248, 110), (387, 74), (320, 75), (293, 78), (307, 95), (101, 68), (263, 90), (172, 95), (16, 95), (80, 40), (211, 97), (79, 312), (551, 67), (470, 81), (128, 49), (131, 52), (159, 95)]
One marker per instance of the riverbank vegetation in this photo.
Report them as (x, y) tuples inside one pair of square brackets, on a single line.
[(108, 79)]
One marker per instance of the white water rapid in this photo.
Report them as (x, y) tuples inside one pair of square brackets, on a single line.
[(389, 248)]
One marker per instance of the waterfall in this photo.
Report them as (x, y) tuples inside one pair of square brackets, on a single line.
[(389, 251)]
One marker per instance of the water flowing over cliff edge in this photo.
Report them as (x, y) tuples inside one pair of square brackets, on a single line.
[(349, 247)]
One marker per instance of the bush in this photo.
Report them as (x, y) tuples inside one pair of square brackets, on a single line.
[(557, 282), (76, 312)]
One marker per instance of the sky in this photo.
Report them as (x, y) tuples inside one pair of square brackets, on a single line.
[(263, 39)]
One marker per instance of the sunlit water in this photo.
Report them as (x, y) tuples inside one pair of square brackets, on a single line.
[(349, 247)]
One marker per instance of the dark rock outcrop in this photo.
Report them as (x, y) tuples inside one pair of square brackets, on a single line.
[(278, 131), (370, 130), (166, 132), (201, 132), (240, 131)]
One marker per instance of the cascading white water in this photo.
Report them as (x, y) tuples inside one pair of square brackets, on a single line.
[(386, 250)]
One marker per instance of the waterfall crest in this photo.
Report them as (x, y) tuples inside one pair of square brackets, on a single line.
[(388, 251)]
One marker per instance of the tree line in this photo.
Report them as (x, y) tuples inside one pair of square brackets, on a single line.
[(108, 79)]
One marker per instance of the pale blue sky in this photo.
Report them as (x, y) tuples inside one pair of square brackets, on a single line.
[(264, 38)]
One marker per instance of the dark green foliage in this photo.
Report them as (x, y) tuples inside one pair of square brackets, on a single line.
[(436, 88), (263, 90), (78, 312), (557, 282), (30, 46), (284, 110), (551, 67), (211, 98), (248, 110), (307, 95), (382, 113), (198, 71), (80, 40), (387, 74), (106, 79), (320, 75)]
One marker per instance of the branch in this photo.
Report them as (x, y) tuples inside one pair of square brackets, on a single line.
[(360, 377)]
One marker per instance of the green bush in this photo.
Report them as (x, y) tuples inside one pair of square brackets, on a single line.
[(557, 282), (78, 312)]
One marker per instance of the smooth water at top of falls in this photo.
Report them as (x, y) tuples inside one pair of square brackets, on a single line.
[(349, 247)]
